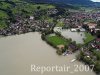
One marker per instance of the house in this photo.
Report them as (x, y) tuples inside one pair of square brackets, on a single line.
[(72, 47), (31, 17), (74, 29), (61, 47), (97, 29), (85, 23), (92, 25), (98, 40), (98, 18), (57, 29)]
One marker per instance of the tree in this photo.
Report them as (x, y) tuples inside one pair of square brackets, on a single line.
[(86, 27), (98, 34), (97, 67), (98, 23), (87, 60), (78, 30), (74, 42), (38, 7), (59, 52), (58, 33), (81, 55), (70, 39)]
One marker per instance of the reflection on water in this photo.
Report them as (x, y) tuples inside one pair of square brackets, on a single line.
[(17, 53)]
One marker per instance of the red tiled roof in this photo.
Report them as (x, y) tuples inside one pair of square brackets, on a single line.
[(98, 39)]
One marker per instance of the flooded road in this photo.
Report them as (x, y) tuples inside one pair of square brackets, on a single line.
[(17, 53)]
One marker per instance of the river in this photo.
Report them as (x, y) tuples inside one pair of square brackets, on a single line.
[(18, 52)]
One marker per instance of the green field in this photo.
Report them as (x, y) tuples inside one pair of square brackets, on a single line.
[(60, 24), (30, 8), (88, 38), (57, 40)]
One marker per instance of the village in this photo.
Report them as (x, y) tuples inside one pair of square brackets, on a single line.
[(65, 29), (24, 25), (82, 22)]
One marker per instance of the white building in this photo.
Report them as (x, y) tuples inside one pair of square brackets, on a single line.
[(31, 17), (73, 30)]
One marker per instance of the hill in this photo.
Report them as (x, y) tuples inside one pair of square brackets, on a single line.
[(10, 8), (75, 2)]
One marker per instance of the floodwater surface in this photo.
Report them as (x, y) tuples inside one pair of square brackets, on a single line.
[(75, 36), (18, 52)]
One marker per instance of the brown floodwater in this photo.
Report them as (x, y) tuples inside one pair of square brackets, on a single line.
[(18, 52)]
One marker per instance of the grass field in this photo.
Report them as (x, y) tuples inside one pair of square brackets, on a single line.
[(60, 24), (30, 7), (3, 15), (89, 37), (57, 40)]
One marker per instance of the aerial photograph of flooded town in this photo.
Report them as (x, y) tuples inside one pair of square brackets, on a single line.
[(49, 37)]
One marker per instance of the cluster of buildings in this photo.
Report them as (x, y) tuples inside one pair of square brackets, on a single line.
[(76, 20), (24, 25), (91, 51), (52, 11)]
